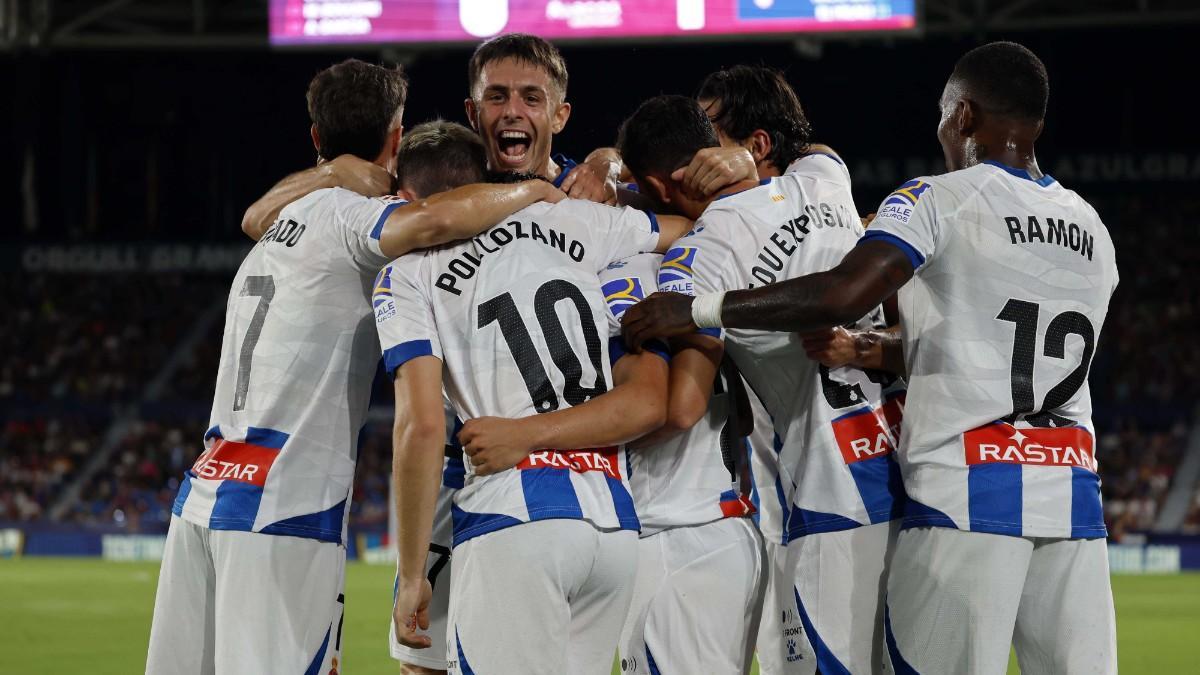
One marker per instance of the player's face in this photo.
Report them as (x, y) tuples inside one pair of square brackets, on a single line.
[(949, 132), (712, 108), (517, 109)]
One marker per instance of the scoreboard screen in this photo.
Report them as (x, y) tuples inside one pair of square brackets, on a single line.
[(315, 22)]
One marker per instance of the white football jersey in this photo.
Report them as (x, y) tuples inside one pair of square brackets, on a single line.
[(836, 428), (518, 320), (297, 360), (690, 479), (1013, 278)]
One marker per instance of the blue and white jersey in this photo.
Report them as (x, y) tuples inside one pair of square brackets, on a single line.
[(689, 479), (836, 429), (297, 360), (1000, 322), (517, 317)]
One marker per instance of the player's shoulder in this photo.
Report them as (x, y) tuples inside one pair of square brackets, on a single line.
[(820, 164), (628, 281)]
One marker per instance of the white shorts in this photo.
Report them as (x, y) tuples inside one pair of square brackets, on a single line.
[(696, 600), (833, 614), (243, 602), (770, 626), (546, 597), (957, 600), (437, 570)]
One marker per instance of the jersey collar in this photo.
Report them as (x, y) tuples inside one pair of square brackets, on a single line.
[(1045, 181), (565, 164)]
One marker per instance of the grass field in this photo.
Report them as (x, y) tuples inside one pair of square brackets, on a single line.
[(90, 616)]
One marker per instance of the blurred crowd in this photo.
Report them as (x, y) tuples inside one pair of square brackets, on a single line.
[(78, 351)]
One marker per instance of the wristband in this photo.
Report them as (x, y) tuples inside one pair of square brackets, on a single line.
[(706, 310)]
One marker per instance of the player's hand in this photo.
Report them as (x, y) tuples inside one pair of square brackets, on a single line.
[(593, 181), (866, 220), (547, 192), (411, 612), (831, 347), (661, 315), (714, 168), (358, 175), (494, 444)]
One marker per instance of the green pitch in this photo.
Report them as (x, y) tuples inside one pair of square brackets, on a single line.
[(90, 616)]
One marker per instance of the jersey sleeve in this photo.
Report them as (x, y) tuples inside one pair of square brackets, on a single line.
[(618, 232), (362, 220), (624, 284), (403, 315), (907, 218), (698, 263)]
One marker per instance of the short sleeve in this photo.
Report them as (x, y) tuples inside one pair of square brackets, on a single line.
[(403, 315), (697, 264), (619, 232), (624, 284), (363, 219), (907, 219)]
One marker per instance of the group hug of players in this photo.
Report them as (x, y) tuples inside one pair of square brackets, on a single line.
[(848, 449)]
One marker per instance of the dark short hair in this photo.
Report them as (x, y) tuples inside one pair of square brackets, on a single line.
[(1006, 79), (353, 104), (758, 97), (438, 156), (510, 177), (530, 49), (664, 134)]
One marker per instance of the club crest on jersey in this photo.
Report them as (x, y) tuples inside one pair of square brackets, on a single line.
[(621, 294), (675, 273), (381, 297), (899, 205)]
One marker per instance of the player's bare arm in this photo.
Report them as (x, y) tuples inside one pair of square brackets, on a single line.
[(459, 213), (636, 405), (347, 171), (671, 228), (713, 169), (869, 274), (866, 349), (596, 178), (695, 360), (418, 440)]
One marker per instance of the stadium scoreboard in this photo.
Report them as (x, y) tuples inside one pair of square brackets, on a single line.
[(317, 22)]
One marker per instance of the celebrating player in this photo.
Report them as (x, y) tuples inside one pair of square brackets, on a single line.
[(835, 426), (1011, 278), (262, 512)]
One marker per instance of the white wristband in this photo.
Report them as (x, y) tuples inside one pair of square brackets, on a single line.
[(706, 310)]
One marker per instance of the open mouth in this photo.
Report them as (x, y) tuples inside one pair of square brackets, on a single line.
[(514, 146)]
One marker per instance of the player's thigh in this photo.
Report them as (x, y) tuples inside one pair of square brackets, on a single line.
[(777, 589), (839, 586), (279, 603), (952, 599), (1066, 622), (433, 659), (651, 571), (182, 634), (509, 609), (703, 617), (601, 602)]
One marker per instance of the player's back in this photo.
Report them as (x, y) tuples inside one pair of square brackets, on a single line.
[(297, 359), (834, 447), (518, 318), (1000, 323)]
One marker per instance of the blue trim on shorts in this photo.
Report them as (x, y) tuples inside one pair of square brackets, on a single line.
[(463, 666), (314, 668), (827, 662), (899, 665)]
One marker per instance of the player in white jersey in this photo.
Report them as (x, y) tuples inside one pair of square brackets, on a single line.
[(753, 108), (262, 512), (1011, 278), (836, 427), (539, 332)]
